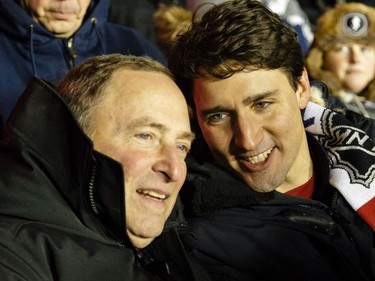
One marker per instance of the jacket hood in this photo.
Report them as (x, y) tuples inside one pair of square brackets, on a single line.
[(16, 22), (50, 172)]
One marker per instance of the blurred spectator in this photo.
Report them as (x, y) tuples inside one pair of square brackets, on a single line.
[(293, 15), (343, 55), (47, 38), (169, 21), (138, 14), (314, 8)]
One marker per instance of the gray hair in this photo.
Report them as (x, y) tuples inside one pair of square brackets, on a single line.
[(83, 87)]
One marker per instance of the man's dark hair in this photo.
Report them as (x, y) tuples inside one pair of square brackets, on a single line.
[(233, 36)]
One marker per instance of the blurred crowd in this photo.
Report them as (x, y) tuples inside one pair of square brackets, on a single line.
[(187, 140)]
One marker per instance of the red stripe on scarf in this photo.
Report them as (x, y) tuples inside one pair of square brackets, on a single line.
[(367, 212)]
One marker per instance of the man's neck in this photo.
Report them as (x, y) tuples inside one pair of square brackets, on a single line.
[(301, 171)]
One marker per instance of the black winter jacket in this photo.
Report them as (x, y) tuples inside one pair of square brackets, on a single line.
[(62, 213), (246, 235)]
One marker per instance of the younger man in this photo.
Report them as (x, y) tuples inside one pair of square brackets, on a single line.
[(285, 198)]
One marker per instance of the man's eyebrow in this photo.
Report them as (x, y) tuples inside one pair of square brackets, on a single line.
[(147, 122), (246, 101), (190, 136), (260, 96)]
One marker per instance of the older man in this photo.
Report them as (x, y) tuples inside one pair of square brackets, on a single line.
[(93, 204)]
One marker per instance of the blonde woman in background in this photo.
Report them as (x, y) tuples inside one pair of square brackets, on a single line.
[(343, 56)]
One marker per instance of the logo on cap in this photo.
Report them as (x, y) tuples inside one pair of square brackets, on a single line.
[(355, 24)]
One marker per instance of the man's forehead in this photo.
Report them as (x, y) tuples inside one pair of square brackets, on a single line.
[(147, 121)]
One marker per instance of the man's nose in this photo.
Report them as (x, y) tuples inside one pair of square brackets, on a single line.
[(247, 133), (171, 164)]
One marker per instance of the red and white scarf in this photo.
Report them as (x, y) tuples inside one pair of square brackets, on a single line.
[(352, 158)]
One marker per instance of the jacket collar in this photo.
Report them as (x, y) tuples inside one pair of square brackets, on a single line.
[(85, 185)]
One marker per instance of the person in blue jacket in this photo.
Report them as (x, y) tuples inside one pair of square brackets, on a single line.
[(47, 38)]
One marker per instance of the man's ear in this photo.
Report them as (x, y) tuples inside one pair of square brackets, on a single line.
[(303, 90)]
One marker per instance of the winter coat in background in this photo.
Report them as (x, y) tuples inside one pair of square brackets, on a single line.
[(28, 49), (320, 94)]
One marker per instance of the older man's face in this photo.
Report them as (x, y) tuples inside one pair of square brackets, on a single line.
[(143, 123), (60, 17)]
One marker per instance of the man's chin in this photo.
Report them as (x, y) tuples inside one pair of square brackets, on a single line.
[(143, 238), (140, 242), (62, 29)]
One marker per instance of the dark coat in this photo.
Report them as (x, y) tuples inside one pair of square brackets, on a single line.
[(332, 102), (246, 235), (62, 213), (28, 49)]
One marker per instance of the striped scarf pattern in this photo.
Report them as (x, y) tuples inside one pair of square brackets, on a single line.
[(351, 154)]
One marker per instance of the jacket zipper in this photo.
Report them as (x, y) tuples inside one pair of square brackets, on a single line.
[(73, 53), (91, 189)]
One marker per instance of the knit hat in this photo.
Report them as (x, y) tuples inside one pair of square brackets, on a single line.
[(346, 23)]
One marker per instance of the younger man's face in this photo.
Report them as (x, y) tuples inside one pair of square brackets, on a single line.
[(253, 126)]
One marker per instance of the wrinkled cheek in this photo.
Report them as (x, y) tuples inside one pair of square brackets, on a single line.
[(132, 160), (84, 5)]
